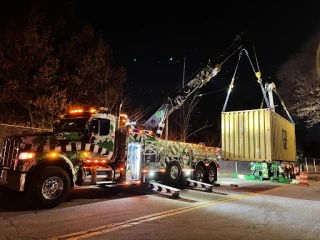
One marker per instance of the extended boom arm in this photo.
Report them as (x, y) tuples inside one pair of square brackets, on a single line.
[(204, 76)]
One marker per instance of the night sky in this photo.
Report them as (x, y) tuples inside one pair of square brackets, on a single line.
[(152, 34), (144, 37)]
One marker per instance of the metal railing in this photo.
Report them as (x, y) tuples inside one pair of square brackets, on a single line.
[(310, 165)]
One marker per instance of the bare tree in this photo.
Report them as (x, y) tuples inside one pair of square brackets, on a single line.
[(29, 67), (45, 73), (187, 121), (212, 136), (300, 81), (85, 64), (112, 91)]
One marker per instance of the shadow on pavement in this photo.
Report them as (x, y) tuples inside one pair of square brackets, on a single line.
[(12, 201)]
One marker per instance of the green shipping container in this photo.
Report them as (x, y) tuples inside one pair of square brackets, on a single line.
[(257, 135)]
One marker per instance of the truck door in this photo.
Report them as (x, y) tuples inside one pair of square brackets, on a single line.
[(102, 133)]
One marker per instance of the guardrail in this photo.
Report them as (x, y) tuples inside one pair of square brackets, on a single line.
[(310, 165)]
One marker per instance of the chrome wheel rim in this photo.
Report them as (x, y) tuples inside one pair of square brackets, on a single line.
[(174, 172), (52, 188), (200, 175), (211, 175)]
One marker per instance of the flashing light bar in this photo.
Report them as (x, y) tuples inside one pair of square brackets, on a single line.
[(76, 110), (73, 111)]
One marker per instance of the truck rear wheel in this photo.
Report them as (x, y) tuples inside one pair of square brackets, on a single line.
[(211, 174), (199, 174), (50, 186)]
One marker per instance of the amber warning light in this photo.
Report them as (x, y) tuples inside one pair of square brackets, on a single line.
[(123, 119), (93, 110), (76, 110)]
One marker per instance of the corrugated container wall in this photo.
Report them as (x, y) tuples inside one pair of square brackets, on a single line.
[(257, 135)]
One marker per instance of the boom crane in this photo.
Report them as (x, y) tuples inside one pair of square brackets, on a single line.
[(157, 120)]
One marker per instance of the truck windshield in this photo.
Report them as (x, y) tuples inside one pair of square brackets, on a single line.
[(71, 125)]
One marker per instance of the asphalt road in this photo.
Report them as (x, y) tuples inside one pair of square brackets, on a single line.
[(244, 210), (314, 177)]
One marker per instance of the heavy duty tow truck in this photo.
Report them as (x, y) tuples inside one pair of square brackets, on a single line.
[(95, 147), (89, 148)]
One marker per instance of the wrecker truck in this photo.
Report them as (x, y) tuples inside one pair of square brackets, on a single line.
[(95, 147), (91, 148)]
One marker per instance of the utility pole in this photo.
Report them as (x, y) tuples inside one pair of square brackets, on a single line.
[(184, 70), (183, 107)]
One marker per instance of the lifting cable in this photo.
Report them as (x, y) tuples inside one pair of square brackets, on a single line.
[(282, 103), (144, 112), (230, 55), (255, 55), (231, 84), (258, 75)]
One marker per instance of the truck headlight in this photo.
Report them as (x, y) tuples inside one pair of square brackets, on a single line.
[(26, 155)]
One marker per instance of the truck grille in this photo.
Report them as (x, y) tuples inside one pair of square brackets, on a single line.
[(10, 152)]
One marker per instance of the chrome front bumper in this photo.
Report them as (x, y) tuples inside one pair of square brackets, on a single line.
[(12, 179)]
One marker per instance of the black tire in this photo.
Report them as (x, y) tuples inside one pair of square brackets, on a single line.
[(173, 174), (211, 175), (50, 186), (80, 177), (199, 174)]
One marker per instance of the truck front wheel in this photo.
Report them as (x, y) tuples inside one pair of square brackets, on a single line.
[(50, 186), (173, 174)]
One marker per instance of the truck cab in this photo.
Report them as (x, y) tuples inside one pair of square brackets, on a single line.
[(79, 151)]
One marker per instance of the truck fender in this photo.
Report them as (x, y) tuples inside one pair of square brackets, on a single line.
[(198, 163), (59, 160), (215, 164), (174, 160)]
